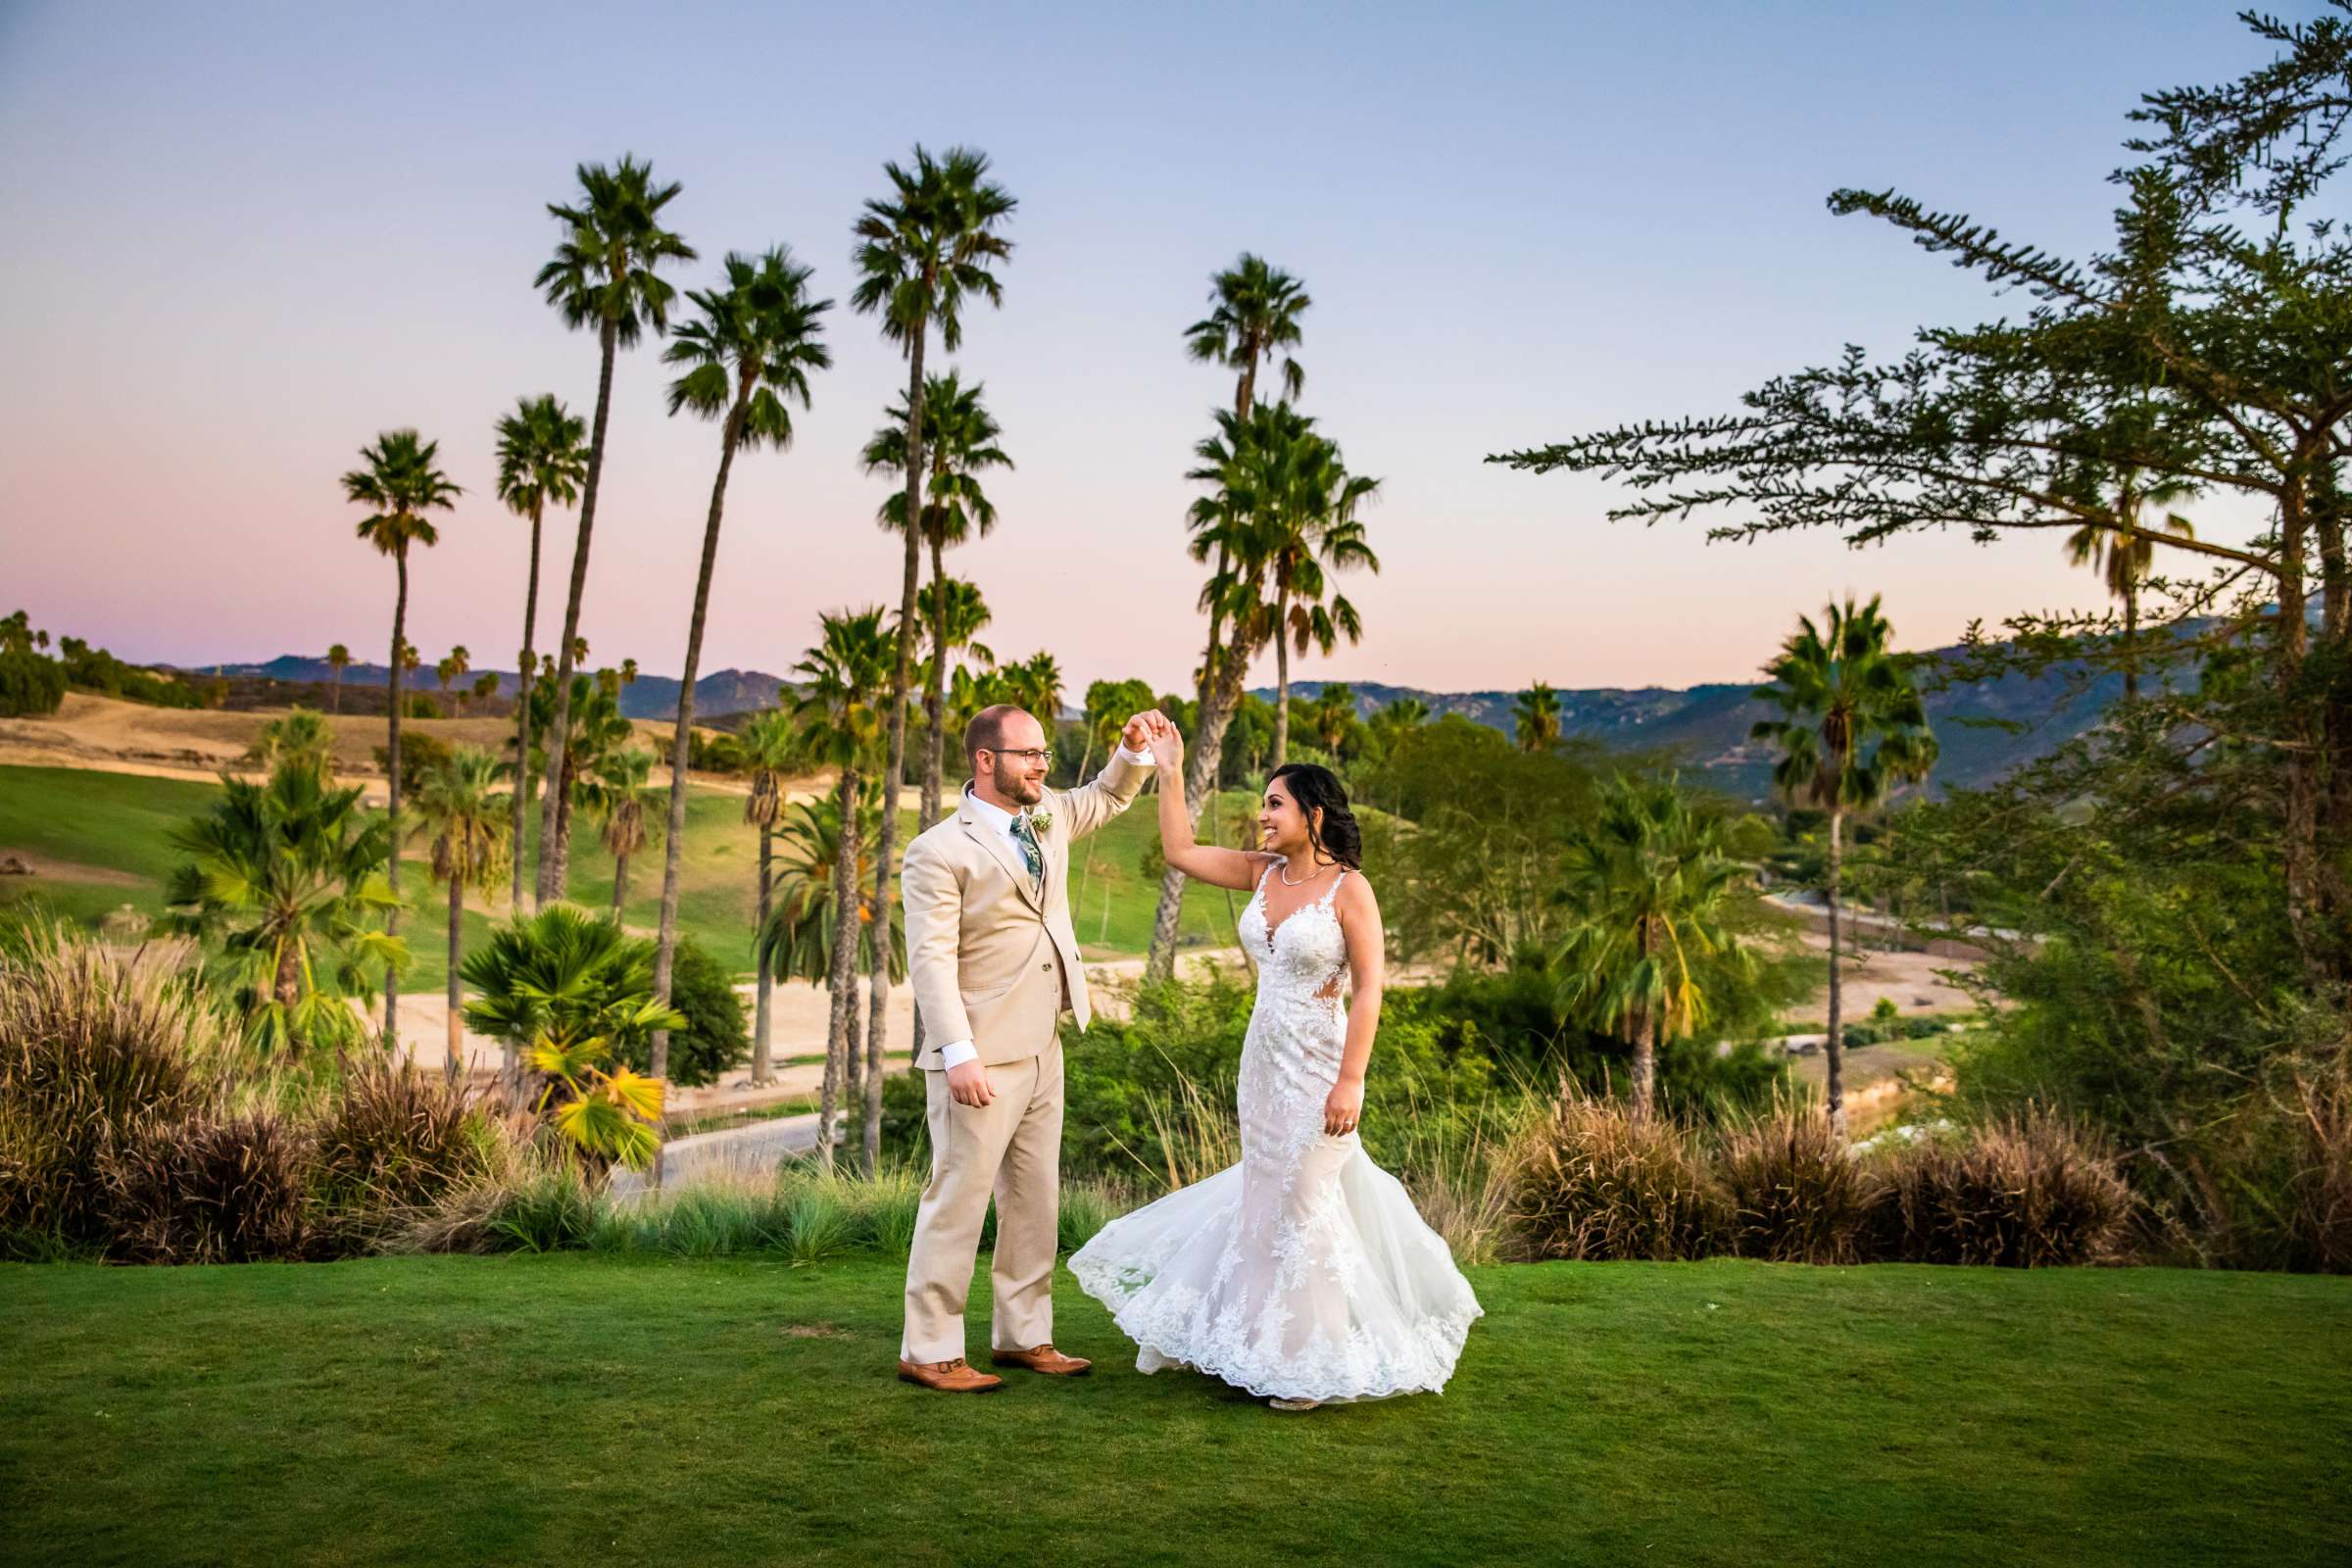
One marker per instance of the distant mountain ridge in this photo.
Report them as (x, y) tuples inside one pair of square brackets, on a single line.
[(1703, 728)]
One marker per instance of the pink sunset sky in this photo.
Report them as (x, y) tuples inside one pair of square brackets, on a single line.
[(242, 242)]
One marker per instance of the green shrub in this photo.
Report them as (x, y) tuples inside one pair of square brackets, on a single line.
[(30, 684), (1590, 1180), (95, 1049), (229, 1190), (715, 1038), (420, 757), (2024, 1191), (1796, 1193)]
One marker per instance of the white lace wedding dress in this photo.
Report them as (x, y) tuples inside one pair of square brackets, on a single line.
[(1303, 1272)]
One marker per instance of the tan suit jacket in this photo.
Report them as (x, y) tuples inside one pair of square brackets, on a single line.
[(992, 956)]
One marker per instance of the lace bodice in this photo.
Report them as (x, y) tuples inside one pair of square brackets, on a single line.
[(1305, 957)]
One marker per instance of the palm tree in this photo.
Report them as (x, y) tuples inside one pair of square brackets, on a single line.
[(772, 744), (959, 437), (598, 729), (1852, 730), (1306, 523), (1256, 313), (1035, 683), (542, 459), (486, 687), (2126, 554), (920, 254), (1536, 717), (801, 929), (401, 482), (749, 356), (602, 277), (564, 983), (616, 796), (288, 873), (1332, 715), (454, 667), (1647, 886), (460, 806), (628, 672), (846, 674), (300, 739), (338, 660)]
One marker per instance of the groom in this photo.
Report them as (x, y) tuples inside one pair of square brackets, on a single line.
[(994, 963)]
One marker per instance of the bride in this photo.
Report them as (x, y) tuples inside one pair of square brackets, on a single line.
[(1302, 1274)]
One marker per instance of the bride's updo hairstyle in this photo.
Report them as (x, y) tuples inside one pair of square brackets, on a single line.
[(1317, 789)]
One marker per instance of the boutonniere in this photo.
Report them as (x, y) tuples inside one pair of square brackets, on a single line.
[(1041, 821)]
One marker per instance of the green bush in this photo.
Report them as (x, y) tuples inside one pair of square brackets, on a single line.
[(715, 1038), (30, 684), (420, 757)]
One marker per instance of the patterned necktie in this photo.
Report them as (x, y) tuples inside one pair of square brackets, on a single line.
[(1026, 835)]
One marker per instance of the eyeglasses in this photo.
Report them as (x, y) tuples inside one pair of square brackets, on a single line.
[(1043, 755)]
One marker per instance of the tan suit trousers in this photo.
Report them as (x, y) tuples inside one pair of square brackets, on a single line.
[(1010, 1148)]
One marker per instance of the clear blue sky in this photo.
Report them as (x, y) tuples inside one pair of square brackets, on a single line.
[(241, 240)]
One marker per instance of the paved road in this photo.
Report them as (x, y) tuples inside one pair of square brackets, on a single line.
[(754, 1150)]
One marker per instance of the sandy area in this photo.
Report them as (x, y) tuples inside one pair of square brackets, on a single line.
[(1919, 983)]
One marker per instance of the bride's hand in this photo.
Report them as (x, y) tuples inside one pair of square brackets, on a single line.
[(1167, 747), (1344, 1107)]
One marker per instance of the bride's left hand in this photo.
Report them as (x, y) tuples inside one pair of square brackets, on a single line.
[(1344, 1109)]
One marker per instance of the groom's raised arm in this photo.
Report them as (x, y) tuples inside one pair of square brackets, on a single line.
[(934, 902), (1115, 788)]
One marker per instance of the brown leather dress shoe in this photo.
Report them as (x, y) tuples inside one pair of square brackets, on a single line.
[(1043, 1358), (949, 1377)]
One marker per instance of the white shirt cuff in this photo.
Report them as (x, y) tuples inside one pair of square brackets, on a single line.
[(955, 1053), (1140, 759)]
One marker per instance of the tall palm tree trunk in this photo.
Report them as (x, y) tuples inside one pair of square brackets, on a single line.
[(842, 975), (2131, 639), (1645, 1032), (1834, 1048), (894, 773), (665, 943), (334, 693), (935, 693), (1201, 765), (400, 631), (620, 883), (522, 704), (554, 850), (287, 989), (454, 1055), (1282, 682), (763, 990)]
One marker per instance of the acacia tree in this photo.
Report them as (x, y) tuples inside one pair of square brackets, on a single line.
[(601, 277), (2191, 352), (542, 457), (1852, 730), (920, 254), (749, 352), (401, 482)]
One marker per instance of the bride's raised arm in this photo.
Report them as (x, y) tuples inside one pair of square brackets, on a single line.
[(1202, 863)]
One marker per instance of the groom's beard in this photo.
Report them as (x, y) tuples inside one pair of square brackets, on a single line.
[(1014, 785)]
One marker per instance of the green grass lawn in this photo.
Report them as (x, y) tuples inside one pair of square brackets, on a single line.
[(570, 1409), (120, 823)]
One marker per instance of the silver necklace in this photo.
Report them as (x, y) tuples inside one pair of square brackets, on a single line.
[(1283, 872)]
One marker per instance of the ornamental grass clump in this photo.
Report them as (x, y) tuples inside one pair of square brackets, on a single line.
[(1795, 1190), (96, 1049), (391, 1142), (1591, 1180), (214, 1190), (2028, 1191)]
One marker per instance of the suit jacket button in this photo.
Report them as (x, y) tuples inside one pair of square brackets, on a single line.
[(1047, 967)]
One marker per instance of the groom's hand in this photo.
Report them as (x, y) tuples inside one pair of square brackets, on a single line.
[(1137, 736), (968, 1085)]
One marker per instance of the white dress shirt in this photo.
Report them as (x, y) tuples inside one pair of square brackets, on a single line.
[(955, 1053)]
